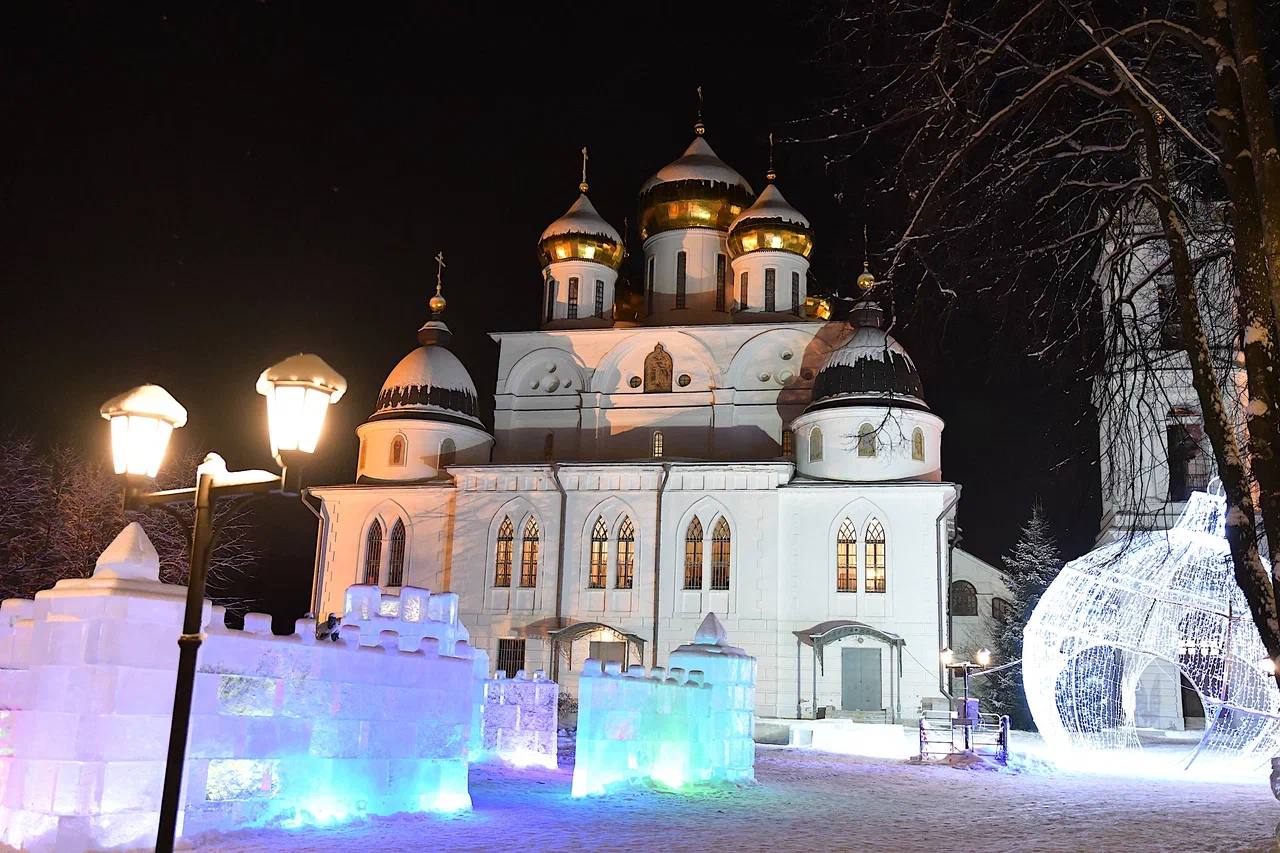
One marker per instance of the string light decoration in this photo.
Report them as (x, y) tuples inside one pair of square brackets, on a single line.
[(1114, 631)]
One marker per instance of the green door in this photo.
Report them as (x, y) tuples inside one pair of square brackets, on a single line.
[(860, 679)]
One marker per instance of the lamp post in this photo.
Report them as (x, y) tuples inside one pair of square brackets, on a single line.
[(981, 660), (299, 391)]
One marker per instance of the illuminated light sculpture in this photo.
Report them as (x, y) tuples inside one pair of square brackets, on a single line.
[(673, 726), (1119, 628)]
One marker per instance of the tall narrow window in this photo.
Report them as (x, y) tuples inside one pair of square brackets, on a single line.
[(502, 558), (1001, 610), (373, 553), (655, 449), (681, 283), (549, 446), (866, 440), (598, 574), (847, 558), (511, 656), (720, 545), (599, 299), (964, 599), (693, 555), (573, 298), (815, 445), (1170, 318), (788, 443), (742, 291), (770, 289), (364, 452), (398, 451), (917, 444), (395, 560), (626, 554), (551, 299), (448, 453), (529, 547), (648, 288), (720, 282), (874, 562), (795, 293)]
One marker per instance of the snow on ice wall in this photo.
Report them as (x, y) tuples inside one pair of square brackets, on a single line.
[(673, 726), (283, 728), (520, 718)]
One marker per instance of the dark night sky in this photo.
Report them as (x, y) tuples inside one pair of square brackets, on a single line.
[(193, 191)]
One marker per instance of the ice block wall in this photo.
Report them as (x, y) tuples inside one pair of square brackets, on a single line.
[(286, 729), (672, 726), (520, 719)]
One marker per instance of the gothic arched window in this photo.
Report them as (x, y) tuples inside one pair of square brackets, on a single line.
[(964, 599), (693, 555), (448, 453), (373, 553), (847, 558), (815, 445), (874, 562), (626, 555), (395, 559), (399, 451), (866, 440), (657, 370), (598, 575), (656, 448), (720, 552), (530, 543), (503, 554), (917, 444)]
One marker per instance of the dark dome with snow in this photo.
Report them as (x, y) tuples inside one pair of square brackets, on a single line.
[(869, 369)]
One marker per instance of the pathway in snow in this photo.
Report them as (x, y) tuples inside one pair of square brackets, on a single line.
[(810, 801)]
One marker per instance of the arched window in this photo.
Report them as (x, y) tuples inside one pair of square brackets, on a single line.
[(599, 299), (720, 281), (1001, 610), (788, 443), (847, 558), (720, 552), (626, 554), (448, 453), (551, 299), (795, 293), (964, 599), (364, 452), (657, 370), (815, 445), (502, 557), (681, 278), (866, 440), (598, 576), (770, 289), (656, 448), (917, 444), (529, 547), (395, 560), (573, 298), (742, 291), (874, 557), (373, 553), (693, 555), (398, 451)]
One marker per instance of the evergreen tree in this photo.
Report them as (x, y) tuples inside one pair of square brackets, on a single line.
[(1030, 567)]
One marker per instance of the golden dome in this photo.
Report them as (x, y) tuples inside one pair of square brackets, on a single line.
[(697, 190), (866, 281), (770, 224), (581, 234)]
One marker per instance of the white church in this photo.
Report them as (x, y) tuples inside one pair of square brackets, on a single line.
[(733, 451)]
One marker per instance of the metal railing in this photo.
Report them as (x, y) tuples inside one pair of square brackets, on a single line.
[(944, 733)]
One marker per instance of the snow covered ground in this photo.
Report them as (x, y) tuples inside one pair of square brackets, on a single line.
[(811, 801)]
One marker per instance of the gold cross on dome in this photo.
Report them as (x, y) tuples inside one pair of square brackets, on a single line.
[(439, 270), (582, 187)]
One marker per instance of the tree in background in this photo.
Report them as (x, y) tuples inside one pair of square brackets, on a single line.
[(1029, 569), (59, 510)]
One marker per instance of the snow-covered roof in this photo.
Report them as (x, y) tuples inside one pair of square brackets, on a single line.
[(581, 218), (771, 205), (871, 364), (698, 163), (304, 367), (428, 381), (146, 400)]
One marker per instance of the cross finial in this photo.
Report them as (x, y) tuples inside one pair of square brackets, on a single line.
[(698, 127), (771, 175), (439, 271), (582, 187)]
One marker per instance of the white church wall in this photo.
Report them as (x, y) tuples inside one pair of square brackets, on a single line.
[(970, 633)]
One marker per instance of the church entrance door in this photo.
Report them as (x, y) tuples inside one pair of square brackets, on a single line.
[(860, 680)]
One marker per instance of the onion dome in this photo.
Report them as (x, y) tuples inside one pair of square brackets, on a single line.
[(871, 368), (697, 190), (581, 234), (770, 224)]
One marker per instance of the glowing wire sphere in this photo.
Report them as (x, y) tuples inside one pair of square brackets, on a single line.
[(1125, 634)]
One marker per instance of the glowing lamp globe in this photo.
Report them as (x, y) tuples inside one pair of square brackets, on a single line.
[(299, 391), (983, 657), (142, 420), (946, 656)]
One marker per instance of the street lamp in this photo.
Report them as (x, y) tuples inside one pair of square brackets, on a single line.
[(981, 660), (299, 391)]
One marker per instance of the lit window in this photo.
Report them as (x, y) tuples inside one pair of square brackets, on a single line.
[(964, 599), (917, 444), (656, 450), (399, 450), (874, 562), (720, 549), (626, 554), (573, 298), (448, 453), (373, 553), (693, 555), (866, 440), (529, 546), (395, 561), (815, 445), (502, 560), (599, 572), (847, 558), (788, 443)]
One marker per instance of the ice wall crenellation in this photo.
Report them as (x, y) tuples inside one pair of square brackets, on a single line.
[(520, 718)]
